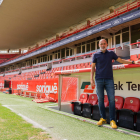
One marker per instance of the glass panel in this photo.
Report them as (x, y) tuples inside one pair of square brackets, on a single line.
[(79, 49), (125, 37), (92, 46), (88, 47), (67, 53), (83, 49), (63, 53), (50, 57), (58, 55), (55, 56), (98, 48), (135, 33), (38, 60), (113, 42), (70, 52), (117, 40)]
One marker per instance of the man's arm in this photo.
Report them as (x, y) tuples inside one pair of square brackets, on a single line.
[(92, 73), (126, 61)]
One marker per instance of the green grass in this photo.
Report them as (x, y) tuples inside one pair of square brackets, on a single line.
[(13, 127), (59, 126)]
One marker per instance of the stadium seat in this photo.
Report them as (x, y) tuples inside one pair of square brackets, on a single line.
[(71, 67), (128, 113), (138, 121), (67, 67), (118, 105), (87, 107), (96, 112), (74, 66), (138, 56), (134, 57), (77, 105), (64, 68), (78, 66)]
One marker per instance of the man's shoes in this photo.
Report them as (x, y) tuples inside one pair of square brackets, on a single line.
[(113, 124), (101, 122)]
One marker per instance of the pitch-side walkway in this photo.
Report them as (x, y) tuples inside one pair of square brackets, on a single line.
[(60, 127)]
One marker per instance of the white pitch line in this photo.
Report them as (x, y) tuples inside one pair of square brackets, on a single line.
[(35, 124)]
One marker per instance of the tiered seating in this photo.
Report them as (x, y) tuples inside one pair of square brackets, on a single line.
[(7, 56)]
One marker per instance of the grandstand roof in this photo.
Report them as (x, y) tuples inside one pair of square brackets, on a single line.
[(24, 23)]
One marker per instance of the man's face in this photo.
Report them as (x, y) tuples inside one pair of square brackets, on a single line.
[(103, 45)]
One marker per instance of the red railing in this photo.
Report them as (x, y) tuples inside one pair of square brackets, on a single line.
[(121, 10)]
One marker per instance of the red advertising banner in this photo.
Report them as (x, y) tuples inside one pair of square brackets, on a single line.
[(50, 86), (44, 86)]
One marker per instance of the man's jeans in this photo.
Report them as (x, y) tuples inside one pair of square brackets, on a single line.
[(108, 85)]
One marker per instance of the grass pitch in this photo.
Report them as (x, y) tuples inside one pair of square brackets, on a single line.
[(60, 126)]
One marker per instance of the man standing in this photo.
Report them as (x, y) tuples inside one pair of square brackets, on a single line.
[(104, 80)]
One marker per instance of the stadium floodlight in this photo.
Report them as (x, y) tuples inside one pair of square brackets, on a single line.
[(1, 2)]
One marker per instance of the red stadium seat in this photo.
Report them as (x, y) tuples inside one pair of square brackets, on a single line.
[(119, 102), (134, 57), (138, 56), (77, 106), (78, 66), (71, 67), (96, 113), (87, 107), (106, 102), (118, 105), (127, 115)]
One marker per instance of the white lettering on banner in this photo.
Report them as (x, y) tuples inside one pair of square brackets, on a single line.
[(89, 32), (80, 36), (2, 85), (47, 88), (104, 26), (65, 42), (118, 67), (137, 14), (21, 86), (116, 22), (73, 39), (70, 71), (95, 30)]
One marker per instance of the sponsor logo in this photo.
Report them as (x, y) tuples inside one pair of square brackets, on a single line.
[(118, 67), (118, 21), (47, 88), (131, 101), (89, 32), (23, 86)]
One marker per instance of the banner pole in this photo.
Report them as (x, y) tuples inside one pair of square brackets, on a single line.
[(59, 92)]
